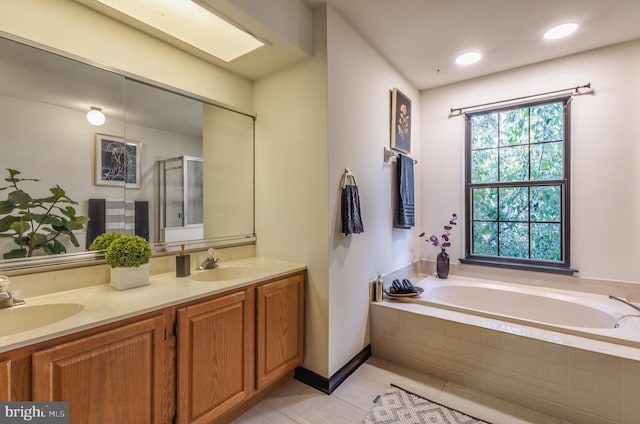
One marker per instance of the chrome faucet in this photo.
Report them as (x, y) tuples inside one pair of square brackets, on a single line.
[(617, 323), (211, 260), (625, 302), (6, 300)]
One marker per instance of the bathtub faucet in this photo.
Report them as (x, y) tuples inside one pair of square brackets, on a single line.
[(625, 302), (617, 324)]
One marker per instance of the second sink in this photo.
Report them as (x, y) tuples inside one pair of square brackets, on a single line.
[(224, 273)]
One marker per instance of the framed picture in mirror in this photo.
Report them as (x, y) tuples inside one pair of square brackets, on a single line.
[(400, 122), (117, 161)]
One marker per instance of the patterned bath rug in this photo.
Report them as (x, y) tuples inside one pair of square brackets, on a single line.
[(397, 406)]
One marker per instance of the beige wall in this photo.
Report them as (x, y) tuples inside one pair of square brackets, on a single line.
[(359, 128), (228, 173), (605, 148), (291, 183), (73, 28), (314, 120)]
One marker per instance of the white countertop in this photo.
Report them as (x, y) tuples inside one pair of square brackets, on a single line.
[(103, 304)]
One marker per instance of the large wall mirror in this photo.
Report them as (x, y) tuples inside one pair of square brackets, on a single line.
[(170, 167)]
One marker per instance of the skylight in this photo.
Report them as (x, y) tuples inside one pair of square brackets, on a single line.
[(191, 24)]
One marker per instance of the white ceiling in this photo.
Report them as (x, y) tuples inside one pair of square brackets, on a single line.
[(422, 38)]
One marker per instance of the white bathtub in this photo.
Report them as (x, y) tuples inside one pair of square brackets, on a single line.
[(561, 310), (529, 345), (539, 305)]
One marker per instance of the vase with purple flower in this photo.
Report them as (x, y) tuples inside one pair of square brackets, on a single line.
[(442, 264), (442, 260)]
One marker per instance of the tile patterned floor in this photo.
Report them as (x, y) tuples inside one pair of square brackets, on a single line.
[(297, 403)]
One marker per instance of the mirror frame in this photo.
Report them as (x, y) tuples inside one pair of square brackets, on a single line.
[(88, 258), (72, 260)]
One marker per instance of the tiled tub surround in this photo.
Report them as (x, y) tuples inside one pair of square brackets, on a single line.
[(569, 376)]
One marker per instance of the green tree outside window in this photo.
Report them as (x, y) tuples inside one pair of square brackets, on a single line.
[(517, 183)]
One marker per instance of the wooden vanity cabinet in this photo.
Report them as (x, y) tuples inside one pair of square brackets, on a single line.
[(280, 328), (203, 361), (110, 377), (234, 346), (215, 356), (5, 380)]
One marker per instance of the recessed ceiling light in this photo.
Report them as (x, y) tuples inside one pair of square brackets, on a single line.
[(561, 31), (468, 58), (190, 23)]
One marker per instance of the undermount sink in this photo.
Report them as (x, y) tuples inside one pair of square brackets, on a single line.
[(224, 273), (17, 319)]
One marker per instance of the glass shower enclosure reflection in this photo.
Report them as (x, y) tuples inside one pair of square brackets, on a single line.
[(180, 195)]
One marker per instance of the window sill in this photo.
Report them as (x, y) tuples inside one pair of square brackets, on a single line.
[(552, 269)]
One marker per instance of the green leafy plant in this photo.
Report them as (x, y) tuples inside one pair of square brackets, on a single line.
[(128, 251), (103, 241), (513, 152), (37, 223)]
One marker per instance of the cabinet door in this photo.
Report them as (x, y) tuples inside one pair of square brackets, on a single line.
[(5, 381), (215, 356), (280, 327), (111, 377)]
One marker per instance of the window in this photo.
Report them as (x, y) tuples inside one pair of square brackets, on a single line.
[(517, 175)]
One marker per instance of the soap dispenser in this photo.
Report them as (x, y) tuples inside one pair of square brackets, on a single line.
[(183, 263), (378, 287)]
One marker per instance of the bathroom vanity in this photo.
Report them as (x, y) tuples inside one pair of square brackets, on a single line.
[(194, 349)]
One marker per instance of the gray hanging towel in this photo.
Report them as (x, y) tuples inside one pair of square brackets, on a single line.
[(404, 215), (351, 218), (107, 215)]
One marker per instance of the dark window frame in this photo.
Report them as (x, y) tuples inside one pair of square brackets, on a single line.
[(562, 267)]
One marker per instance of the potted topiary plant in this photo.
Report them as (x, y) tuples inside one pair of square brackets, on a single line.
[(103, 241), (128, 256)]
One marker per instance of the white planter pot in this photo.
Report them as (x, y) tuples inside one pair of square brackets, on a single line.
[(128, 278)]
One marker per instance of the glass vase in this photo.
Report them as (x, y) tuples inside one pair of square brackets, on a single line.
[(442, 264)]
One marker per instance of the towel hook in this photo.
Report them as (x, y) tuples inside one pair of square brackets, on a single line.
[(348, 173)]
